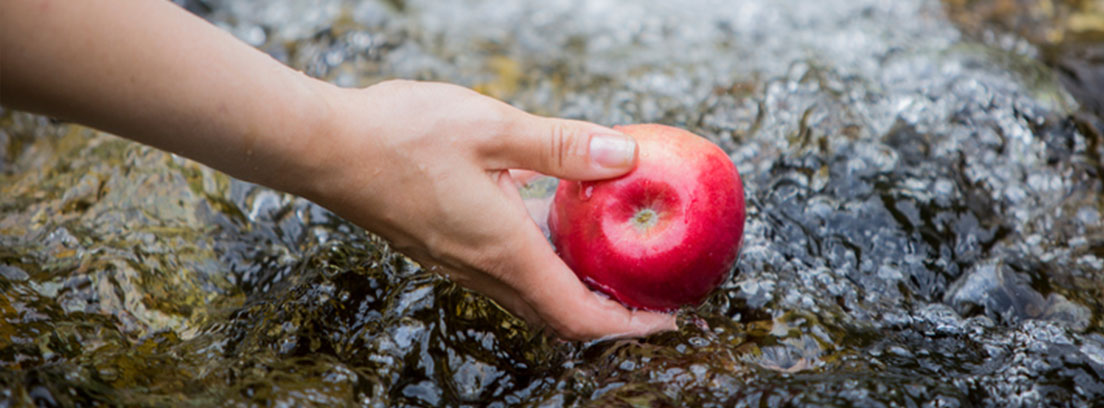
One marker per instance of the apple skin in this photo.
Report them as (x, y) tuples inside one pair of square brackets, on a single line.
[(662, 236)]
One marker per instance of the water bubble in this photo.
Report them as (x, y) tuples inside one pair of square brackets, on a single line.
[(925, 198)]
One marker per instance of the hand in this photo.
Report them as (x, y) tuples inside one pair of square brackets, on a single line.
[(426, 165)]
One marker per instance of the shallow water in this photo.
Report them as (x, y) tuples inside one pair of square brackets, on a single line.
[(924, 223)]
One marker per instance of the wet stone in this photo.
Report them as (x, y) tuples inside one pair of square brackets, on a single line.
[(923, 182)]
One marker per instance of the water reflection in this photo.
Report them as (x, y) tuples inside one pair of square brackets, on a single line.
[(923, 226)]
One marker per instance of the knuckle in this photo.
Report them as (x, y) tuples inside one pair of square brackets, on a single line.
[(499, 263), (494, 131), (495, 126), (560, 145), (570, 330)]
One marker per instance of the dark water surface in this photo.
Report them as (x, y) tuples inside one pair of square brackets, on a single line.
[(925, 224)]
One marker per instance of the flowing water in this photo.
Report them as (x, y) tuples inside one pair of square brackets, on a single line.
[(925, 226)]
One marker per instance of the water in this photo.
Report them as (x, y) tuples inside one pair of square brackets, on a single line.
[(924, 223)]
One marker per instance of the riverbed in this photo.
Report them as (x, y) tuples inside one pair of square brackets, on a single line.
[(924, 185)]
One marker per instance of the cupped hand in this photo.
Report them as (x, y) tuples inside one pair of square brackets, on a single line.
[(426, 165)]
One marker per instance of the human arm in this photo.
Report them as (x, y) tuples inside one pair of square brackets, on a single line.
[(151, 72), (422, 164)]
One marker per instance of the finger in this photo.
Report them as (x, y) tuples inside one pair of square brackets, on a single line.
[(523, 177), (564, 303), (593, 317), (569, 307), (563, 148), (537, 207), (505, 296), (574, 311)]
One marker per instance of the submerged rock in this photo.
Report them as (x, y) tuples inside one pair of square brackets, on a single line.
[(1003, 295), (923, 224)]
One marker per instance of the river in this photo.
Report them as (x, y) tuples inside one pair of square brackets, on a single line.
[(924, 186)]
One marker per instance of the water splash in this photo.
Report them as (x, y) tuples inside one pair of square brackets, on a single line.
[(923, 223)]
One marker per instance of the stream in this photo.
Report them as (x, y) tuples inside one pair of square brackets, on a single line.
[(925, 226)]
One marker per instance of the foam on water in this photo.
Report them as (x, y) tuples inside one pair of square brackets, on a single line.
[(923, 225)]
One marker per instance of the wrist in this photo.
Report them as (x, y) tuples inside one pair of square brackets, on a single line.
[(301, 151)]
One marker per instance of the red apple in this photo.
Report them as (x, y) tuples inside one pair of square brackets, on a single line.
[(662, 236)]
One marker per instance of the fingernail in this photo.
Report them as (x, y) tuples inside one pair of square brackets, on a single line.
[(612, 151)]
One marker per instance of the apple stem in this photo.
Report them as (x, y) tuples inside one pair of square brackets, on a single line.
[(645, 219)]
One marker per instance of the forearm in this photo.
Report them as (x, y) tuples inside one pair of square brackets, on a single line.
[(149, 71)]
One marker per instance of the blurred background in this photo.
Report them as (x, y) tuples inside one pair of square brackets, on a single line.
[(924, 183)]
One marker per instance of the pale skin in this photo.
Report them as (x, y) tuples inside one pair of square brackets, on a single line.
[(425, 165)]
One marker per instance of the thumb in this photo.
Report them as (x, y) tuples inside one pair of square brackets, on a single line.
[(568, 149)]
